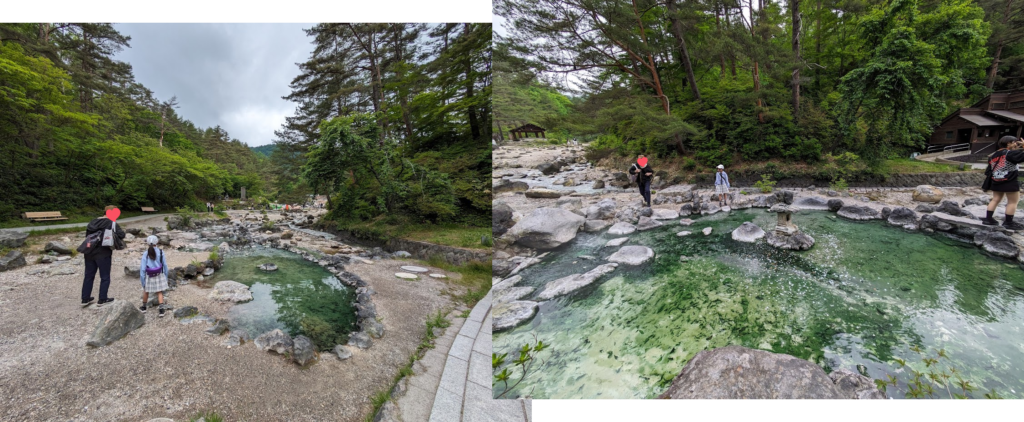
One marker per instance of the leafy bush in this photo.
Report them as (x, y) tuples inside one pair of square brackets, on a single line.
[(766, 184), (839, 185), (689, 164), (213, 254), (187, 215)]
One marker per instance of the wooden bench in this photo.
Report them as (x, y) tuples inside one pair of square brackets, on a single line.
[(148, 209), (43, 216)]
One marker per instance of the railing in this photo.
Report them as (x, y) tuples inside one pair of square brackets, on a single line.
[(948, 148), (987, 147)]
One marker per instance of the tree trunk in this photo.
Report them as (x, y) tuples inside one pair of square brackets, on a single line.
[(718, 28), (756, 72), (684, 55), (999, 50), (474, 124), (796, 53)]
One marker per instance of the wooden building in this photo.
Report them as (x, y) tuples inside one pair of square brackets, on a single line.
[(982, 124), (524, 131)]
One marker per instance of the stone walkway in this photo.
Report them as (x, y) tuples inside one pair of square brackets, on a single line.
[(452, 383)]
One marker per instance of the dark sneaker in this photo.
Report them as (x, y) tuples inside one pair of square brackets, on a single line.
[(161, 312), (88, 302), (1015, 226), (989, 221), (143, 308), (104, 302)]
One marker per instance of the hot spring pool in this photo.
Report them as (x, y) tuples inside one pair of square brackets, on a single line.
[(865, 294), (299, 298)]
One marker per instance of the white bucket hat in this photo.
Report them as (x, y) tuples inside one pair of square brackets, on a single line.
[(721, 166), (152, 240)]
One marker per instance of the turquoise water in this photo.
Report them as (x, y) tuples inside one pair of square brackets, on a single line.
[(299, 298), (865, 294)]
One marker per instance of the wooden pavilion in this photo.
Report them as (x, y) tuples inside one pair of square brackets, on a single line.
[(524, 131), (983, 123)]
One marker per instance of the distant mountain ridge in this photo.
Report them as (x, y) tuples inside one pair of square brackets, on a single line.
[(265, 150)]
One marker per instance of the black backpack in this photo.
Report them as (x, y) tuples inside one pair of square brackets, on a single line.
[(91, 243)]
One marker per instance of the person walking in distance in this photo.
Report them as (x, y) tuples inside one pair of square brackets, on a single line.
[(1001, 179), (642, 172)]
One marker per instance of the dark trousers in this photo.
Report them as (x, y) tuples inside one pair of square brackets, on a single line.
[(645, 191), (92, 264)]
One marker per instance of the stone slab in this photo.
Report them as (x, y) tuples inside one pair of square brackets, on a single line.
[(414, 269), (481, 407), (447, 407), (454, 378), (462, 347)]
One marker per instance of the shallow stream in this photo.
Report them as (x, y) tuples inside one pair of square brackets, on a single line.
[(865, 294)]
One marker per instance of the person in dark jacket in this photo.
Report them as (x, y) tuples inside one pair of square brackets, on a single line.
[(643, 173), (1001, 179), (100, 259)]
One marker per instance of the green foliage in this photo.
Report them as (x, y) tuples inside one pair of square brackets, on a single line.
[(213, 254), (839, 185), (487, 241), (766, 184), (321, 332), (522, 364), (936, 379), (208, 417), (188, 216)]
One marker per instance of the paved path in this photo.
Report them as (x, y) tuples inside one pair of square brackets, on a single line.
[(69, 225), (452, 382)]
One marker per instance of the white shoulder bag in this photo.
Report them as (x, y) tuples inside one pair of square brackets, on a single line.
[(108, 235)]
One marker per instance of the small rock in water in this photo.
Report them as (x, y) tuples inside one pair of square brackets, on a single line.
[(208, 272), (406, 276), (686, 221), (616, 242), (683, 233), (684, 258), (707, 231), (268, 267)]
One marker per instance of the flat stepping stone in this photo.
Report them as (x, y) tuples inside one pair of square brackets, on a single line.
[(414, 269), (616, 242), (621, 228), (438, 276), (632, 255), (684, 233), (406, 276)]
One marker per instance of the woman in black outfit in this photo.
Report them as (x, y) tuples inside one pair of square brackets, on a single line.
[(1002, 180)]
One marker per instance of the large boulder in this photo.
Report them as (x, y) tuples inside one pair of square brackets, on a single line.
[(119, 318), (12, 239), (927, 193), (303, 352), (501, 218), (736, 372), (854, 385), (647, 223), (276, 341), (996, 243), (952, 208), (543, 193), (663, 214), (632, 255), (591, 226), (509, 186), (603, 210), (58, 247), (835, 204), (903, 217), (230, 291), (508, 315), (546, 228), (621, 228), (747, 232), (13, 259), (549, 168), (798, 241), (784, 196), (859, 212), (569, 284)]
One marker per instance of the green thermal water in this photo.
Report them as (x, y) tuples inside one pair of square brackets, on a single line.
[(865, 294), (299, 291)]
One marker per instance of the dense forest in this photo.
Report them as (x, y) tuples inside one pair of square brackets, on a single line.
[(725, 80), (77, 131), (393, 122)]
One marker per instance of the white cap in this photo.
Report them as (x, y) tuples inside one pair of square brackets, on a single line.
[(152, 240), (721, 166)]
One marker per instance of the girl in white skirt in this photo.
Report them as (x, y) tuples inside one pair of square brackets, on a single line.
[(722, 185), (153, 274)]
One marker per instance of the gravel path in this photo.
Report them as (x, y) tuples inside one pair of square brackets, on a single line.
[(166, 369)]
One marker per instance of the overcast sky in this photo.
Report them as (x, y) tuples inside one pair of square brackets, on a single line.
[(232, 75)]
